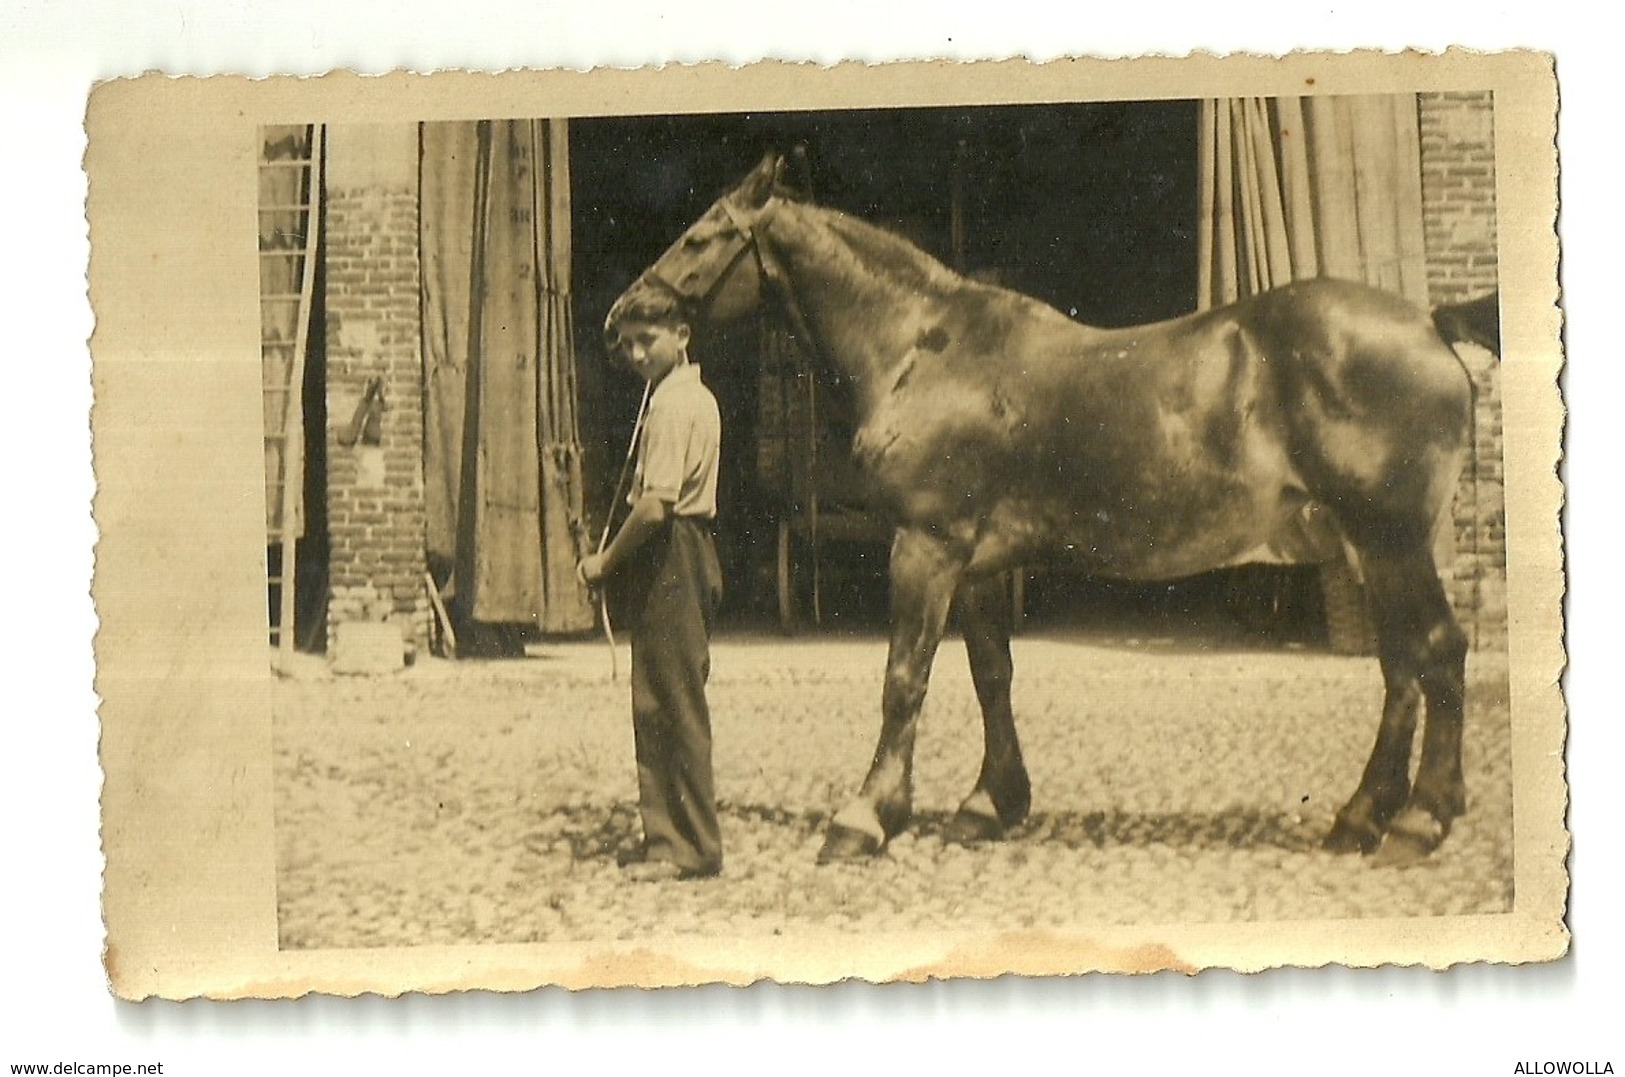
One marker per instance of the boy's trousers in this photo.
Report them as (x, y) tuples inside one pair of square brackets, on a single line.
[(675, 587)]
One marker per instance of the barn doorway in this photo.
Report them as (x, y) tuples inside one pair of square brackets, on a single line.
[(1091, 207)]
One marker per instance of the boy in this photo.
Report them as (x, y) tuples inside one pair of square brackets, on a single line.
[(665, 564)]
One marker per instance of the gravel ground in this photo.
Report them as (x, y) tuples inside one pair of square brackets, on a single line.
[(486, 801)]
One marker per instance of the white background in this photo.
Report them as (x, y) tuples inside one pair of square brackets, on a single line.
[(55, 1005)]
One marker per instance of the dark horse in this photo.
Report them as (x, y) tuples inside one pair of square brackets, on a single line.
[(995, 431)]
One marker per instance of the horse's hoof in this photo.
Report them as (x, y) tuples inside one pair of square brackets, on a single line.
[(972, 828), (844, 843), (1400, 851), (1346, 837), (1411, 838)]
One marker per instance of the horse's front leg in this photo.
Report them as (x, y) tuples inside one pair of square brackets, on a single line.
[(924, 574), (1003, 793)]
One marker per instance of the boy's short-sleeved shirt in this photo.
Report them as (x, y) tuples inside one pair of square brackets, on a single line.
[(681, 445)]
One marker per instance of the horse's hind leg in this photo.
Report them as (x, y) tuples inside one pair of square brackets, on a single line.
[(1439, 793), (924, 574), (1002, 794), (1423, 654)]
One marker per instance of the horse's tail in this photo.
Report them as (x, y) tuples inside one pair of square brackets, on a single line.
[(1477, 321)]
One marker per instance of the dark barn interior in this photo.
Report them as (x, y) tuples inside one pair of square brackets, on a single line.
[(1090, 207)]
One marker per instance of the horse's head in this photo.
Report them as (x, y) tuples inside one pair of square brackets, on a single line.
[(713, 273)]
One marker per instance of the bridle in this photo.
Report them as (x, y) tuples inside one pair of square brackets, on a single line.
[(697, 285)]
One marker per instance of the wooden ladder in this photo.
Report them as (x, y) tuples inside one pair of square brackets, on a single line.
[(290, 176)]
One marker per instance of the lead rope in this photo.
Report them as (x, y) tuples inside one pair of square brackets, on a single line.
[(609, 519)]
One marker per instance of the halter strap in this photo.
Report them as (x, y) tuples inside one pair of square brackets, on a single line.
[(774, 275), (744, 227), (747, 240), (772, 271)]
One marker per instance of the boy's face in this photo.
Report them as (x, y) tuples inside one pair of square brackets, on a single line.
[(653, 349)]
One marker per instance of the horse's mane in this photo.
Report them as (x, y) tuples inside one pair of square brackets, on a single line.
[(875, 252), (882, 252)]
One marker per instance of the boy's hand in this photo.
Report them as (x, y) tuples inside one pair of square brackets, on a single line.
[(590, 569)]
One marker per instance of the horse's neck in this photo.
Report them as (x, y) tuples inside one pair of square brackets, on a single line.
[(867, 295)]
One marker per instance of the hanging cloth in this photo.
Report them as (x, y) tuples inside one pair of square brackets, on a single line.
[(502, 452), (1293, 188)]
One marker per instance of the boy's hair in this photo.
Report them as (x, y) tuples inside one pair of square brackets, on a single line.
[(643, 303)]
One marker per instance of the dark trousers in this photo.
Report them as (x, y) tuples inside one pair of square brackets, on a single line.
[(673, 588)]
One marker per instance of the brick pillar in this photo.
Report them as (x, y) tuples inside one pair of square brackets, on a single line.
[(1458, 211), (375, 499)]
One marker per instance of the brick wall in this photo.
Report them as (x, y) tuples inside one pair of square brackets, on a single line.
[(1458, 209), (376, 520)]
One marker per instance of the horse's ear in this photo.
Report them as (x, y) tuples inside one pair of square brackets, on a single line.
[(792, 176), (757, 187)]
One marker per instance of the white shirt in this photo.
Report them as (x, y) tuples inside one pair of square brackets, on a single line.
[(681, 445)]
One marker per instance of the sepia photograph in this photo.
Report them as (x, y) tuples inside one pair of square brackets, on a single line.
[(903, 540), (933, 538), (1066, 381)]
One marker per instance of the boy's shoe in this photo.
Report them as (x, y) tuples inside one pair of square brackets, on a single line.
[(663, 871), (636, 855)]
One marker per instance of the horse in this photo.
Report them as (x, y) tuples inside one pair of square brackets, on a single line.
[(994, 431)]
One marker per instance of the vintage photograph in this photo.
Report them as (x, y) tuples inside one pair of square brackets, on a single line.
[(916, 536)]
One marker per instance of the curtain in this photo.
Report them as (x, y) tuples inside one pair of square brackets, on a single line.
[(1304, 187), (502, 445)]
